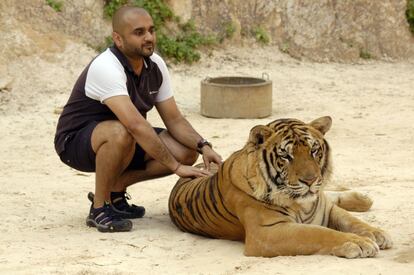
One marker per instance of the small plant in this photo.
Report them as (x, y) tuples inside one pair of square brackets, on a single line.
[(112, 5), (261, 35), (284, 47), (244, 32), (174, 40), (160, 12), (229, 29), (101, 47), (55, 4), (182, 47), (364, 54), (410, 14)]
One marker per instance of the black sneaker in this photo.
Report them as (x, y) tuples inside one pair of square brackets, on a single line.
[(121, 207), (106, 220)]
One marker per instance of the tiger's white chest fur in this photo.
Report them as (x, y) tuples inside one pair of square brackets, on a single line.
[(315, 212)]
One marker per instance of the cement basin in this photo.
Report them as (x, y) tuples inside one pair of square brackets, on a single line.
[(236, 97)]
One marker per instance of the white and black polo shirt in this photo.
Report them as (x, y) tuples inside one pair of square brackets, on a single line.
[(108, 75)]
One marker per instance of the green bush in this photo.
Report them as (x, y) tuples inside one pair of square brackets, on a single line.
[(410, 14), (229, 29), (104, 45), (160, 12), (179, 42), (261, 35), (364, 54), (284, 47), (112, 5), (182, 46), (54, 4)]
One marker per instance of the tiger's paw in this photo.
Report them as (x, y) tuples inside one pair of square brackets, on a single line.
[(356, 247), (382, 238)]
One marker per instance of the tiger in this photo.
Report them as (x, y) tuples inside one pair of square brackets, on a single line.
[(270, 195)]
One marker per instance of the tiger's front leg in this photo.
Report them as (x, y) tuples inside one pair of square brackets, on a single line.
[(341, 220), (270, 236)]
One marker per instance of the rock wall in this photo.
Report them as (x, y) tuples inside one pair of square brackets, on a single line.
[(322, 30), (29, 27), (42, 51)]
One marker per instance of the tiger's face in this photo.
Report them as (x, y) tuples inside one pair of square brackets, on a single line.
[(293, 160)]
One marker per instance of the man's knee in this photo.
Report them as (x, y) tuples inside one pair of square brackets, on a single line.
[(114, 134), (121, 137)]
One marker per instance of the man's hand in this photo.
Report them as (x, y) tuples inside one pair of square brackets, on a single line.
[(209, 155), (186, 171)]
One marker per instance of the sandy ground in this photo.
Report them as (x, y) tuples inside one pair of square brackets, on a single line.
[(44, 204)]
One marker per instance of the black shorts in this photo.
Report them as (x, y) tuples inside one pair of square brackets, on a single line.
[(79, 154)]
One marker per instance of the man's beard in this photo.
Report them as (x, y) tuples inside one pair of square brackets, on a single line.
[(145, 51)]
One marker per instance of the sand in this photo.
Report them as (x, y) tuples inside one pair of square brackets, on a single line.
[(44, 204)]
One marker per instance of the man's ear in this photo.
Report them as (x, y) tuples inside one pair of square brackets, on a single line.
[(259, 134), (322, 124), (116, 37)]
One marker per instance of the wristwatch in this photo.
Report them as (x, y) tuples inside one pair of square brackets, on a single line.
[(203, 142)]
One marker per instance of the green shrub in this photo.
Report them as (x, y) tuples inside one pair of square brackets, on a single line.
[(112, 5), (56, 5), (229, 29), (410, 14), (284, 47), (182, 46), (261, 35), (160, 12), (104, 45), (364, 54), (179, 42)]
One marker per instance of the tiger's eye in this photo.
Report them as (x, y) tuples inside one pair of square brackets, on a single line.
[(315, 152), (286, 156)]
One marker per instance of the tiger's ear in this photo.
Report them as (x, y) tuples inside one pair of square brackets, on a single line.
[(259, 134), (322, 124)]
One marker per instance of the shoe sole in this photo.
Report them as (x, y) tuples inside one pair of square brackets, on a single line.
[(109, 228), (122, 214)]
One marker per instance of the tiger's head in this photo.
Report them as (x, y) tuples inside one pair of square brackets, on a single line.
[(288, 161)]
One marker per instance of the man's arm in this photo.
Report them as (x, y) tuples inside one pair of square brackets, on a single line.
[(181, 130), (145, 135), (177, 125)]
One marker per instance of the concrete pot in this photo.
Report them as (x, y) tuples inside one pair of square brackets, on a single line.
[(236, 97)]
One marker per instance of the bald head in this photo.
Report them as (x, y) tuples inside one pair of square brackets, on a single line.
[(123, 16), (134, 32)]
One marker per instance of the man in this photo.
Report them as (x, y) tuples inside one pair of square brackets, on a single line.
[(103, 127)]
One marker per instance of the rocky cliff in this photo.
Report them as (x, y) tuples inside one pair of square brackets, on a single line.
[(322, 30), (29, 27)]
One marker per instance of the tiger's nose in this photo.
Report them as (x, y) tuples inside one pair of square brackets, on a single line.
[(308, 180)]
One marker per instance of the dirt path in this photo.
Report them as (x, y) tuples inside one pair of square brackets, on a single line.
[(44, 203)]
